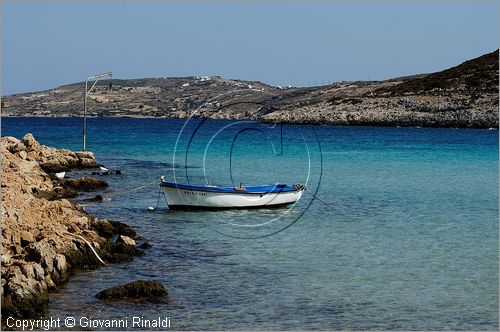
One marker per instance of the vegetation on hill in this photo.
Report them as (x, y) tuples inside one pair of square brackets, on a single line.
[(475, 76)]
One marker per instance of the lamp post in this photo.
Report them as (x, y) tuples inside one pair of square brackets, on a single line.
[(94, 78)]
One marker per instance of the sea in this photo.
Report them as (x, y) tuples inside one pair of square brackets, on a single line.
[(398, 229)]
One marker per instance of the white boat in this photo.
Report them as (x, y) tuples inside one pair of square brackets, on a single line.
[(186, 196)]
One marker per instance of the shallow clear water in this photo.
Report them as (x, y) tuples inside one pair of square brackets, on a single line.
[(411, 241)]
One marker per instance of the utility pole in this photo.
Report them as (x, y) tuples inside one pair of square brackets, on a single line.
[(94, 78)]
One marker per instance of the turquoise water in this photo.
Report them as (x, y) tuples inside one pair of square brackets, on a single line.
[(411, 242)]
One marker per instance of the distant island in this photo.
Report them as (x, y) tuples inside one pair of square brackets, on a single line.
[(465, 96)]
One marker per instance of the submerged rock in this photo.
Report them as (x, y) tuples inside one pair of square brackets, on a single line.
[(136, 290), (95, 199), (145, 245)]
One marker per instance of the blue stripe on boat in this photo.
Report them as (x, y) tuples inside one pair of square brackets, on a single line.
[(249, 190)]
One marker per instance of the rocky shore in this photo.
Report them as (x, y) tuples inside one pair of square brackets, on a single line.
[(45, 237), (425, 111)]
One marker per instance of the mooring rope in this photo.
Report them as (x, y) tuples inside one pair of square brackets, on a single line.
[(132, 189), (124, 191), (158, 200), (319, 199)]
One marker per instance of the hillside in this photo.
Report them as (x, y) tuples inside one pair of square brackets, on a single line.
[(479, 75), (462, 96)]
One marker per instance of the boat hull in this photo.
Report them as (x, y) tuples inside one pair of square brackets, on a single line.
[(185, 199)]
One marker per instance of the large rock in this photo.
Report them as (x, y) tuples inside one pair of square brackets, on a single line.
[(14, 148), (84, 184), (55, 194), (84, 154), (33, 271), (9, 140), (23, 296), (30, 142), (54, 166), (60, 268), (119, 252), (60, 262), (42, 252), (107, 228), (136, 290), (87, 163), (50, 159), (86, 159)]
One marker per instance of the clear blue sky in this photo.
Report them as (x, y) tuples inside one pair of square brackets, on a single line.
[(45, 45)]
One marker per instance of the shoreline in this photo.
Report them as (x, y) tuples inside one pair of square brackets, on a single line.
[(266, 121), (45, 237)]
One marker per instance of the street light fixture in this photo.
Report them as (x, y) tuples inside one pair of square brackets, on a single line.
[(94, 78)]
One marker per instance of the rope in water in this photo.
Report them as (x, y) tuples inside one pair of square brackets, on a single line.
[(319, 199), (123, 192), (132, 189)]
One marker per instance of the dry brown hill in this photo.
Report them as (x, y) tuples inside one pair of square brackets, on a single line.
[(462, 96)]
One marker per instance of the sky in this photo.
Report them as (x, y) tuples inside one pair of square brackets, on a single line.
[(300, 43)]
